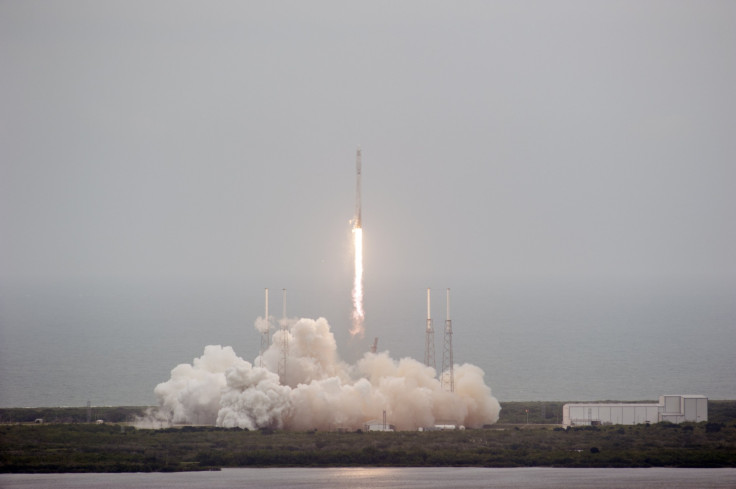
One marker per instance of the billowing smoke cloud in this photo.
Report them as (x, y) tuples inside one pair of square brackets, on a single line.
[(262, 325), (318, 390)]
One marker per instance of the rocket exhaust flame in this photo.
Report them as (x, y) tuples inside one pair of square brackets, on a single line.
[(358, 313), (298, 381)]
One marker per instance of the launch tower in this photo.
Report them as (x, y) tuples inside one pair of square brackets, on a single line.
[(429, 342), (448, 367), (284, 342), (266, 334)]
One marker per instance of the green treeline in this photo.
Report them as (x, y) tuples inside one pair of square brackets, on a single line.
[(117, 414), (108, 448), (539, 412), (89, 447), (516, 412)]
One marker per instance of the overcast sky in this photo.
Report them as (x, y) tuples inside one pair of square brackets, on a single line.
[(180, 141)]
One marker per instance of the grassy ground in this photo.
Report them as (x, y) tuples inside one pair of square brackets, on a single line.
[(69, 447)]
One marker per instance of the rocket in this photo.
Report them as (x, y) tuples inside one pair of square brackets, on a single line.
[(357, 222)]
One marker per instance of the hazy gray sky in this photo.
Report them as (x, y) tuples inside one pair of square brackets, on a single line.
[(173, 140)]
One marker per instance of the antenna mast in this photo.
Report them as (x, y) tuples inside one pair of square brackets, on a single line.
[(448, 366), (265, 335), (284, 342), (429, 343)]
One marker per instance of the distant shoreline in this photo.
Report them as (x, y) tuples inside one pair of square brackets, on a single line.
[(66, 443), (512, 412)]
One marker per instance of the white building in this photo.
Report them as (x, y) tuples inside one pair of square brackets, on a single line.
[(672, 408), (442, 427), (375, 425), (677, 409)]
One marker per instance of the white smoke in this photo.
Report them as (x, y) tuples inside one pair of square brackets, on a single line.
[(253, 399), (263, 325), (318, 391)]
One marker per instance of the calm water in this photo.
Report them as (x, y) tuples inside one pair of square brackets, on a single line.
[(373, 478), (111, 344)]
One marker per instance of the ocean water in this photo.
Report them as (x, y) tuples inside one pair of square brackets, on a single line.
[(112, 343), (373, 478)]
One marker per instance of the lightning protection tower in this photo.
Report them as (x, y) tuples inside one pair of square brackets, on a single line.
[(448, 367), (429, 339), (266, 334), (284, 342)]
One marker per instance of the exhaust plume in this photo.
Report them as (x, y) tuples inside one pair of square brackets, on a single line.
[(358, 313), (320, 391)]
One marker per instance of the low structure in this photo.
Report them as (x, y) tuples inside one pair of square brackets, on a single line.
[(672, 408), (442, 427), (677, 409), (376, 425)]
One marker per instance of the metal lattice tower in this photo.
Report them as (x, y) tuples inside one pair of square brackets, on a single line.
[(284, 342), (266, 335), (429, 343), (448, 365)]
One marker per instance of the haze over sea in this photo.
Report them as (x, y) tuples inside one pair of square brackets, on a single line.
[(566, 168), (111, 343)]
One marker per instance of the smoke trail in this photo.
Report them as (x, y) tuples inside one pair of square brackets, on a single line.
[(320, 391), (358, 313)]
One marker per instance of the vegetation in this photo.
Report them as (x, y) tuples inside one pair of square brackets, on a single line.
[(117, 414), (535, 412), (90, 447)]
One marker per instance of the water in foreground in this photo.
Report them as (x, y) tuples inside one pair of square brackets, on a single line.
[(458, 478)]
